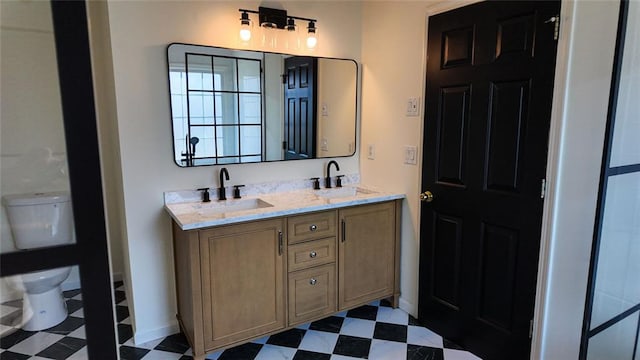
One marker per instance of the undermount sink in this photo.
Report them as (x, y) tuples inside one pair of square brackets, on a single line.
[(342, 192), (226, 206)]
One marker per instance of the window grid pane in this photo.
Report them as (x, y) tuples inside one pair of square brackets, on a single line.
[(219, 103)]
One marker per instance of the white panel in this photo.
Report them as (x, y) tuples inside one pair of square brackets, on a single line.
[(616, 342), (626, 147), (617, 286)]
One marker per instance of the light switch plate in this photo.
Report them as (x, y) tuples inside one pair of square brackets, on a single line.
[(410, 155), (371, 152), (324, 145), (413, 106)]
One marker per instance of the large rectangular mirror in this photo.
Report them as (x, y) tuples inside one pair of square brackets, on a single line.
[(237, 106)]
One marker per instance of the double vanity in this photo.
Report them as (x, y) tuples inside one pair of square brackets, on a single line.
[(254, 266)]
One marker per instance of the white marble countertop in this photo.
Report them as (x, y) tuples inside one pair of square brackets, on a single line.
[(192, 214)]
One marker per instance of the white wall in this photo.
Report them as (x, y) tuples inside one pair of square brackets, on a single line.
[(140, 33), (274, 107), (393, 69), (336, 112), (583, 80)]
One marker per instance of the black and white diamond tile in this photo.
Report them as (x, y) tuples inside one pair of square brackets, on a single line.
[(375, 331)]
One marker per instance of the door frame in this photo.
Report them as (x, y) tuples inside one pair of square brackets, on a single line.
[(545, 260), (90, 251)]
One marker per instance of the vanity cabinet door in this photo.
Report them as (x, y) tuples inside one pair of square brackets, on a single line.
[(367, 246), (243, 275), (312, 293)]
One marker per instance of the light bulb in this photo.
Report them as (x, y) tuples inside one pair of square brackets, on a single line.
[(312, 41), (245, 33), (312, 35)]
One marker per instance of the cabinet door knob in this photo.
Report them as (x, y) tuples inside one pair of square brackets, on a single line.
[(313, 227), (313, 254), (313, 281)]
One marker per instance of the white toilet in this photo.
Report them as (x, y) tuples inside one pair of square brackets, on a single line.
[(40, 220)]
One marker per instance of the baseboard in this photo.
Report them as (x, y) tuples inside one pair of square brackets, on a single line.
[(141, 337), (408, 307)]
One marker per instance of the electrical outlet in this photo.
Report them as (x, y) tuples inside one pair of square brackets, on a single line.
[(413, 106), (410, 155), (325, 109), (371, 152)]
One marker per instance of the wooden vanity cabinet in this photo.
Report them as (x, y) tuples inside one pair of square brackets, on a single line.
[(368, 254), (243, 292), (242, 281), (230, 283)]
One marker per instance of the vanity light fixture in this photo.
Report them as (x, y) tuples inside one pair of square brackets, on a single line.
[(312, 35), (245, 27), (274, 19)]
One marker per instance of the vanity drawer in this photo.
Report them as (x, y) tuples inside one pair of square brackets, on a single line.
[(313, 226), (312, 293), (312, 253)]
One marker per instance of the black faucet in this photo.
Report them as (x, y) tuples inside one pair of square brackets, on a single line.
[(327, 180), (221, 190)]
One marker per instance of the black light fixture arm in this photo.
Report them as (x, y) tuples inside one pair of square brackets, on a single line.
[(274, 16)]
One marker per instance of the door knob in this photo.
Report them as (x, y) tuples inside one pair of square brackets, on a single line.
[(426, 196)]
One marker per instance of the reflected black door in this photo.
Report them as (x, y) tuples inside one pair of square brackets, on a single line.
[(300, 107), (489, 89)]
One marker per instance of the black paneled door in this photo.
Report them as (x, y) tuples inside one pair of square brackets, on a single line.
[(489, 89), (300, 109)]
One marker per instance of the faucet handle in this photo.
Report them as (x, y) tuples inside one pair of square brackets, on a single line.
[(316, 183), (236, 191), (205, 194), (339, 180)]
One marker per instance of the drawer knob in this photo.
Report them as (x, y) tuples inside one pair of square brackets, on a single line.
[(313, 254), (313, 281), (313, 228)]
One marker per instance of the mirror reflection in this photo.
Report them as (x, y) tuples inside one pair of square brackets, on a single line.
[(237, 106)]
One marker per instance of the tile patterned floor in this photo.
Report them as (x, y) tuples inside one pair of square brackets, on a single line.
[(374, 331)]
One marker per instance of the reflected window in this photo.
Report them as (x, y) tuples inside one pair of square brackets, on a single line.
[(216, 110)]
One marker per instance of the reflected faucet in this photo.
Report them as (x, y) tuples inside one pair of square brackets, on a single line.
[(327, 180), (221, 190)]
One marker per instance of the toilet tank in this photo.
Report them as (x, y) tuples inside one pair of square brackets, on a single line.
[(40, 219)]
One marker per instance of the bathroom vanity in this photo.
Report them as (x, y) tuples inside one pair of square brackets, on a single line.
[(255, 271)]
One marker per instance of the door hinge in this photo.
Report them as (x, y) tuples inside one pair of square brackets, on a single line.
[(530, 328), (543, 188), (556, 25)]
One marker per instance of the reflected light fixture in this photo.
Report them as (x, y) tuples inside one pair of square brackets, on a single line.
[(312, 35), (278, 19), (245, 27)]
